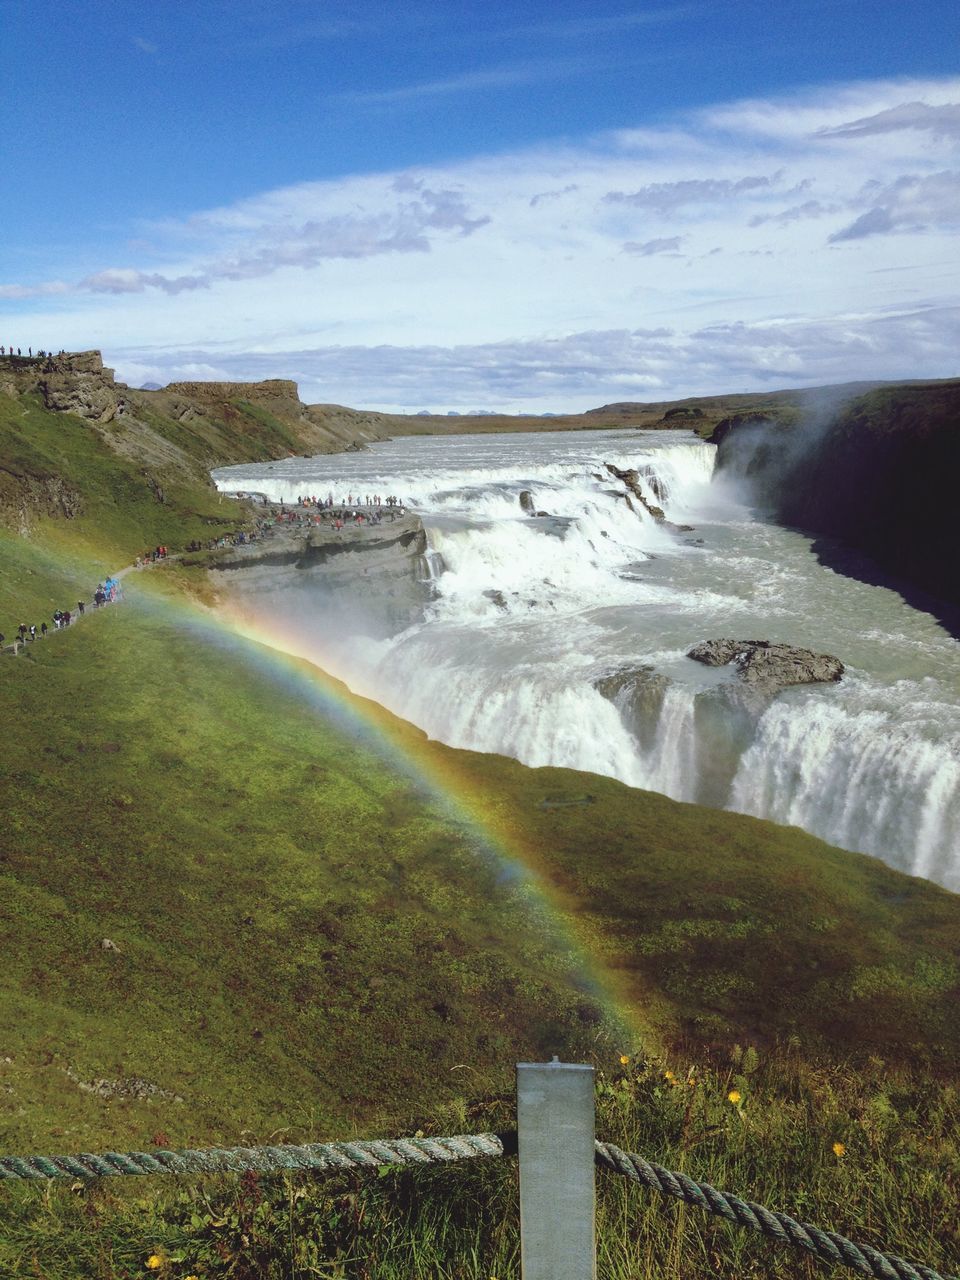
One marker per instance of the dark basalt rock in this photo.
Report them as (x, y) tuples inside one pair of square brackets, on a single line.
[(497, 597), (874, 471), (637, 692), (657, 487), (766, 667), (631, 479), (527, 503)]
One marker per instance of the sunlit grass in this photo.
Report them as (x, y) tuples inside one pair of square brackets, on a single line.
[(312, 943), (893, 1186)]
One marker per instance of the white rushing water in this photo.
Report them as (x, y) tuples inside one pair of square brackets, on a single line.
[(529, 614)]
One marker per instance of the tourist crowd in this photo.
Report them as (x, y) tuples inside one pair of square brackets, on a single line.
[(40, 355), (353, 509), (308, 511), (351, 500), (107, 592)]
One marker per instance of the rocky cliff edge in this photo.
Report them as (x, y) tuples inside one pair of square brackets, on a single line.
[(232, 421)]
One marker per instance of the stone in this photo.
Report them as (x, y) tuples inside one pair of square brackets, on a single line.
[(657, 487), (526, 502), (631, 479), (766, 667), (637, 692)]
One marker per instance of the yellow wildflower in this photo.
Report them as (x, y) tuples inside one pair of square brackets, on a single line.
[(839, 1149), (692, 1082), (668, 1075), (735, 1097), (624, 1059), (154, 1262)]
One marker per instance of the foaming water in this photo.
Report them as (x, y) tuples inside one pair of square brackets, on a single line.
[(561, 638)]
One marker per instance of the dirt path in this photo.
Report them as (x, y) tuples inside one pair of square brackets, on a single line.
[(13, 646)]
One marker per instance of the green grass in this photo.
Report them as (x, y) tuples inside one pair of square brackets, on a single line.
[(115, 515), (893, 1186), (279, 895), (310, 937), (313, 941)]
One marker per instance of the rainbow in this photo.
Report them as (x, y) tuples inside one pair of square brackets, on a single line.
[(439, 772), (435, 769)]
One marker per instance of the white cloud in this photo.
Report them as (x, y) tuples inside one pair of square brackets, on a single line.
[(667, 197), (755, 229), (22, 292), (541, 196), (910, 203), (665, 244), (505, 77), (941, 121), (408, 227), (582, 370), (796, 213)]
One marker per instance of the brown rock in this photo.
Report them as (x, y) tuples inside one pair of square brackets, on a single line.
[(767, 667)]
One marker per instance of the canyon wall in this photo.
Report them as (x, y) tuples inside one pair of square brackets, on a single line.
[(877, 473)]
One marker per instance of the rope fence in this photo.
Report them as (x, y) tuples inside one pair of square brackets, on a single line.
[(826, 1246), (317, 1157)]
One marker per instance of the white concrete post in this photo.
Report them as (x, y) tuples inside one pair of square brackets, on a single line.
[(555, 1137)]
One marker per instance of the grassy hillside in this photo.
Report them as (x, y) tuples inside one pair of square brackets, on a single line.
[(278, 896), (299, 928), (870, 1152), (308, 936)]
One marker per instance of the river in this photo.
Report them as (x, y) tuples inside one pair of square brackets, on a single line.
[(528, 615)]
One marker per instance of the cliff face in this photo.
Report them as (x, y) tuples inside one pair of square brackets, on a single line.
[(55, 408), (370, 577), (224, 421), (76, 382), (878, 473), (311, 428)]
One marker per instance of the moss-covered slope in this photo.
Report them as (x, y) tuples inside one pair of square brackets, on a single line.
[(303, 931)]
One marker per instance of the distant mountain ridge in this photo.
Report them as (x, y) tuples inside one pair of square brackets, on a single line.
[(223, 413)]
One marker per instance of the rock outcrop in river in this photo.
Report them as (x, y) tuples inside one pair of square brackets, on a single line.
[(631, 479), (767, 667), (373, 573)]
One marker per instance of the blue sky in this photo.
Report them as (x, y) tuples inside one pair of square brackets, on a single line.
[(485, 206)]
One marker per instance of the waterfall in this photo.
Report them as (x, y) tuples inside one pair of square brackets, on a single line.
[(559, 637)]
